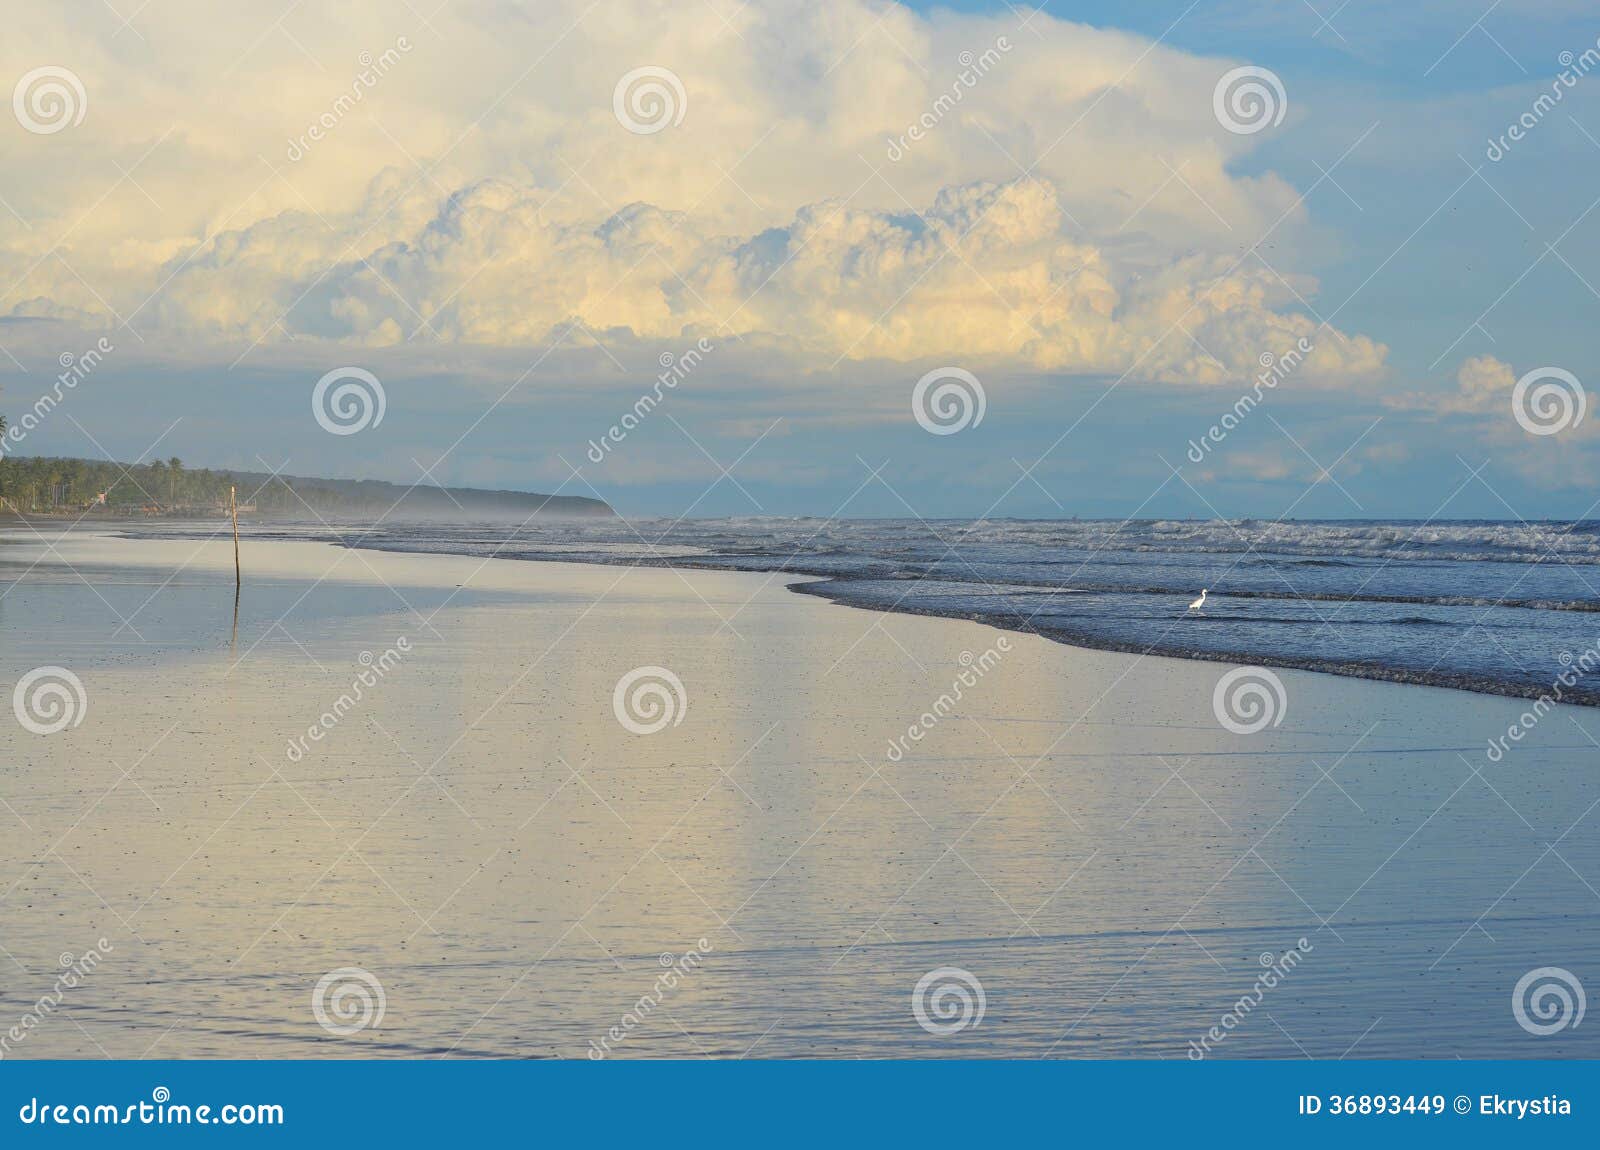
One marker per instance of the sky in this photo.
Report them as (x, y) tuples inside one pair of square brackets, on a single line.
[(1224, 258)]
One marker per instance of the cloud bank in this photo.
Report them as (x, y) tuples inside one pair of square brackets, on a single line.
[(374, 179)]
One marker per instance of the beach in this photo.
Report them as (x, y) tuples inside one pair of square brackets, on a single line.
[(484, 833)]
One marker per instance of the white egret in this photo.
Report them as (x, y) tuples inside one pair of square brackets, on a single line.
[(1200, 602)]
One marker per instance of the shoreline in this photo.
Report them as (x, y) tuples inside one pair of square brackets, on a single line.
[(485, 837), (817, 583), (1367, 672), (826, 585)]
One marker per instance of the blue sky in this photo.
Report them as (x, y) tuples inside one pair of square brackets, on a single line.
[(484, 232)]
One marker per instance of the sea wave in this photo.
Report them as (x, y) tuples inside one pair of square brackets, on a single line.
[(1483, 606)]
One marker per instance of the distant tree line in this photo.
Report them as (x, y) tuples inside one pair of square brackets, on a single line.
[(162, 487), (35, 484)]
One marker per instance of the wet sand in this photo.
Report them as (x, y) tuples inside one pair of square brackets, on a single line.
[(517, 869)]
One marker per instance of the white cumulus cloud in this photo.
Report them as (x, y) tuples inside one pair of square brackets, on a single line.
[(475, 187)]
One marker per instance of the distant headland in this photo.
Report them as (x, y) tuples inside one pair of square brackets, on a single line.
[(167, 488)]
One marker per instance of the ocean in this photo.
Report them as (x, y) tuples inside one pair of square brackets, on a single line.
[(490, 852), (1499, 607)]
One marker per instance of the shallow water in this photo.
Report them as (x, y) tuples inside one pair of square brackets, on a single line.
[(483, 836), (1503, 608)]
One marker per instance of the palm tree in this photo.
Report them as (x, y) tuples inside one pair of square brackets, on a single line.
[(174, 469), (158, 471)]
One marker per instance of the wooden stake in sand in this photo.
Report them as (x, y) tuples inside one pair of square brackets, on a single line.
[(238, 579)]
